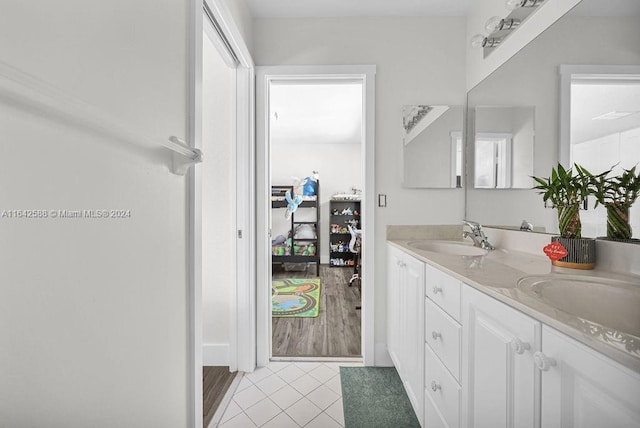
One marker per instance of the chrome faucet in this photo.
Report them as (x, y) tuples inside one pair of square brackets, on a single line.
[(477, 235)]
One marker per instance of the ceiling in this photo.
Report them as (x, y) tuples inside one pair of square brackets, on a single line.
[(590, 100), (338, 8), (329, 113)]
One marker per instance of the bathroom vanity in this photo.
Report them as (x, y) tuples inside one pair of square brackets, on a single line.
[(494, 340)]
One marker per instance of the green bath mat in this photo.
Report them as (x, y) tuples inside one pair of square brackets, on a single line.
[(295, 297), (373, 397)]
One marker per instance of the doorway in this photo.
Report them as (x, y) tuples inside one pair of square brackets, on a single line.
[(600, 104), (308, 145), (315, 140)]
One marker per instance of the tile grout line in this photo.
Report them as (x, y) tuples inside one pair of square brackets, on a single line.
[(289, 384)]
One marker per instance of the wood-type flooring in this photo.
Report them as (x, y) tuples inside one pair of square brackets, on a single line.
[(336, 330), (215, 383)]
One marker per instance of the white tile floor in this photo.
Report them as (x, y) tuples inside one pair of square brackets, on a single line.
[(288, 394)]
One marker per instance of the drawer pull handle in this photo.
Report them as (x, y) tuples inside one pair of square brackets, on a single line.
[(436, 289), (543, 363), (435, 386), (436, 335), (518, 346)]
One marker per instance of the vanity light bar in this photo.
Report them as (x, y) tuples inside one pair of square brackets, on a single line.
[(500, 28)]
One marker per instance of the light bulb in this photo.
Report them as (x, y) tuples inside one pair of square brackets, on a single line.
[(494, 24), (514, 4), (478, 40)]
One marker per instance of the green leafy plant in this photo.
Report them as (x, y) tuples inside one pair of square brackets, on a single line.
[(617, 194), (566, 191)]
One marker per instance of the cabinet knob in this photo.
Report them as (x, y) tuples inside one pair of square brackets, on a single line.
[(518, 346), (543, 363), (435, 335), (436, 289), (435, 386)]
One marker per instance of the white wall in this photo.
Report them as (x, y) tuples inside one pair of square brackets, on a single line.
[(94, 312), (415, 65), (477, 67), (218, 240), (339, 167)]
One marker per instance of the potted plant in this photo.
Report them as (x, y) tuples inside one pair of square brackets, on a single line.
[(567, 191), (617, 194)]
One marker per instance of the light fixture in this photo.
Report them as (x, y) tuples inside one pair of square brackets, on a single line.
[(500, 28), (496, 23), (515, 4), (480, 41), (614, 115)]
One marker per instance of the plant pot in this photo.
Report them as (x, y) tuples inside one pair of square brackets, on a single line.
[(581, 253), (618, 226)]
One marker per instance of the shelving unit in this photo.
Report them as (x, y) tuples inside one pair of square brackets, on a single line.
[(300, 250), (342, 213)]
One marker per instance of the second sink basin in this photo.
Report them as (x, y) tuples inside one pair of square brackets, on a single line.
[(457, 248), (608, 302)]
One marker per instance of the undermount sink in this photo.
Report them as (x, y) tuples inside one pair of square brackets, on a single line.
[(608, 302), (457, 248)]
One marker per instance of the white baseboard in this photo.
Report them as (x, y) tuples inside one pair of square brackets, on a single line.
[(215, 354), (382, 358)]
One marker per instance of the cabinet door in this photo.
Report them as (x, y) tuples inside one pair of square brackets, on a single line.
[(412, 310), (583, 388), (501, 385), (394, 280)]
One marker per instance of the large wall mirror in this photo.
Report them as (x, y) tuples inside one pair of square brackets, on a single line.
[(432, 145), (594, 33)]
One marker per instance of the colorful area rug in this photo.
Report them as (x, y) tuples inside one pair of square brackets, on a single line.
[(295, 297), (373, 397)]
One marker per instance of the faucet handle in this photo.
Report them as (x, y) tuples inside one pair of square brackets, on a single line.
[(526, 226)]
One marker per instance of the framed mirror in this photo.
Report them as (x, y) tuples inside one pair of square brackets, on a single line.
[(592, 33), (432, 146)]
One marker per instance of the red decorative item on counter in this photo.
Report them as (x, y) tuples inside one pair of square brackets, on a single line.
[(555, 251)]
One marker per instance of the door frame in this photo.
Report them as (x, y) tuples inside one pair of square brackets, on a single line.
[(264, 76), (242, 304)]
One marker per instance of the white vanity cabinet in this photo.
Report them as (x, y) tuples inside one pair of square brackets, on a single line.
[(583, 388), (468, 360), (501, 383), (405, 327), (443, 340)]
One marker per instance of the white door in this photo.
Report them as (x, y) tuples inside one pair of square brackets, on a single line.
[(582, 388), (500, 382)]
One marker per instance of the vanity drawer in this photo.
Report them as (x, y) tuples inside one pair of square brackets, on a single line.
[(444, 290), (444, 335), (432, 416), (442, 389)]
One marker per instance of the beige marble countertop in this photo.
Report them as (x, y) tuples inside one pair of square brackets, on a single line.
[(497, 274)]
